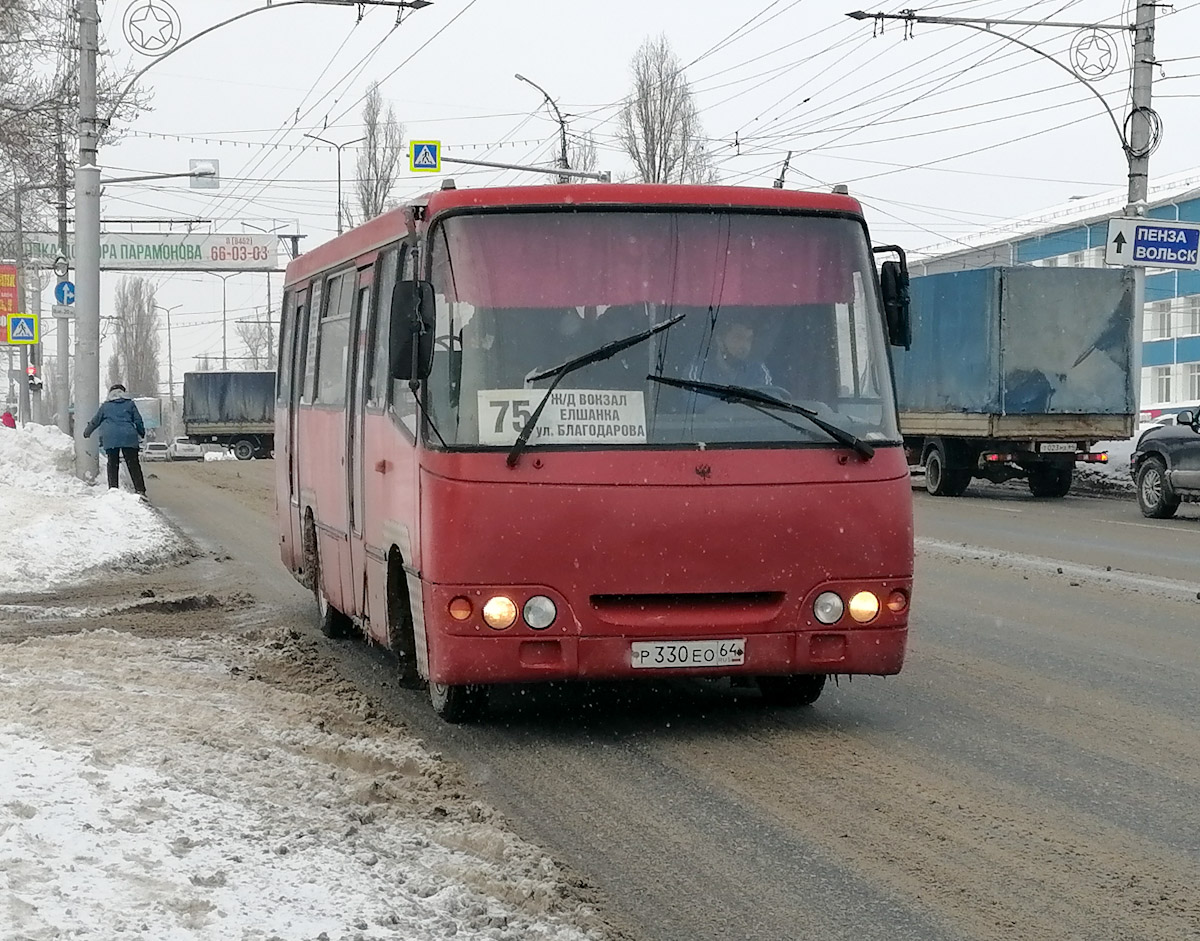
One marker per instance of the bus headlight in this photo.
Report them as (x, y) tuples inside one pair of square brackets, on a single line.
[(828, 607), (539, 612), (500, 612), (864, 607)]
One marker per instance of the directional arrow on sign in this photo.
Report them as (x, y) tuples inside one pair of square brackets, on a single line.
[(1119, 241)]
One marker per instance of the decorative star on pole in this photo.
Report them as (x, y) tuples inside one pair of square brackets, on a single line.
[(152, 27)]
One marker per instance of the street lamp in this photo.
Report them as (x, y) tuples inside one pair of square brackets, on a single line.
[(338, 148), (170, 363), (224, 314), (562, 125)]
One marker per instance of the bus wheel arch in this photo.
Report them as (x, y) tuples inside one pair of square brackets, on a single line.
[(401, 624)]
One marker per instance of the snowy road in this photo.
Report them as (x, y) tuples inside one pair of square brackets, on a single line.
[(1032, 773)]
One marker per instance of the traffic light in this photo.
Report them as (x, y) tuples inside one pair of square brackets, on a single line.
[(35, 381)]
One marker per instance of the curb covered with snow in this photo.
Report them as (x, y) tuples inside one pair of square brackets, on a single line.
[(57, 530), (218, 789)]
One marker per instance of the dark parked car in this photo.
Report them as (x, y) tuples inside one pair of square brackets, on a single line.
[(1166, 466)]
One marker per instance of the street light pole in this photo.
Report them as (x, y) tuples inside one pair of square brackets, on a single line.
[(224, 315), (170, 362), (562, 124), (87, 199), (338, 148), (1138, 144)]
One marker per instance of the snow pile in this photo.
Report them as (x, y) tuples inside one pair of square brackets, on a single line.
[(196, 790), (54, 528), (219, 456)]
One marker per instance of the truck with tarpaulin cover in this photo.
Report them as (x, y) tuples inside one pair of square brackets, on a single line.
[(1016, 372), (235, 409)]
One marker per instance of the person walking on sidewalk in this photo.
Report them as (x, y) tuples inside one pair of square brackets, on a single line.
[(121, 430)]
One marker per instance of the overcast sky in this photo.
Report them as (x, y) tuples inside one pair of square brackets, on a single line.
[(940, 135)]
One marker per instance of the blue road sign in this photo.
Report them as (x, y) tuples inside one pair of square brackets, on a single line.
[(1153, 243), (64, 292), (425, 156), (22, 328)]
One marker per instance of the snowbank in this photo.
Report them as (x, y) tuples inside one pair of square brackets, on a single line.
[(54, 528), (1115, 474), (218, 789)]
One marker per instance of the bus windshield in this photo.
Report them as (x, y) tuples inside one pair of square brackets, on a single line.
[(781, 303)]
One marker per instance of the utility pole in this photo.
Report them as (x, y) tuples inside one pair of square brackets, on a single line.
[(1138, 149), (170, 364), (23, 403), (87, 246), (62, 375)]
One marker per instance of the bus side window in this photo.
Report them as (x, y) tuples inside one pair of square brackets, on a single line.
[(335, 338), (310, 354), (377, 338), (287, 333)]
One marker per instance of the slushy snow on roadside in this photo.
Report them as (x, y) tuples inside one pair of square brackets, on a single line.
[(54, 528)]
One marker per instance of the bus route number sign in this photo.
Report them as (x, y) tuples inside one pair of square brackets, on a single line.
[(572, 416)]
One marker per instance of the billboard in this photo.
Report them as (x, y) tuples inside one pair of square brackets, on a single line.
[(164, 251)]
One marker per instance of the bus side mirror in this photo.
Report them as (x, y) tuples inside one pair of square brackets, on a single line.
[(413, 320), (893, 285)]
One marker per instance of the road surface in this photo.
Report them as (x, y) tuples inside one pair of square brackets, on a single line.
[(1034, 772)]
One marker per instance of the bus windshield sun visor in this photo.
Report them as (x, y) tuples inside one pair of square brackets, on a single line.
[(755, 398), (601, 353)]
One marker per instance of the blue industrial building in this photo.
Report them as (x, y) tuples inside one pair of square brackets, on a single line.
[(1074, 235)]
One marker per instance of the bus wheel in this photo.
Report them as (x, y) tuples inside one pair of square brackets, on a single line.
[(458, 703), (332, 622), (801, 689)]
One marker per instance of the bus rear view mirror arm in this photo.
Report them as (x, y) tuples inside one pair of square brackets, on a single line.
[(413, 319)]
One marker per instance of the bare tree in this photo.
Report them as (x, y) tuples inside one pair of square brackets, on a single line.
[(379, 159), (259, 341), (136, 356), (659, 124), (39, 87), (205, 363)]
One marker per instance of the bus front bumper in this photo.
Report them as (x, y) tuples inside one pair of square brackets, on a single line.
[(481, 659)]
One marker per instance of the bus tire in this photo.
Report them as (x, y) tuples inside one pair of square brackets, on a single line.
[(800, 689), (331, 621), (401, 632), (243, 449), (458, 704)]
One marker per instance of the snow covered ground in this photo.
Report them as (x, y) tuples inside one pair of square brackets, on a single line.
[(53, 527), (226, 785), (1114, 474)]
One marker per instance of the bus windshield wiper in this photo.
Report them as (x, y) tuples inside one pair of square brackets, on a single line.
[(597, 355), (755, 398)]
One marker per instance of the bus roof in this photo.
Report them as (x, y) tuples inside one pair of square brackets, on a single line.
[(392, 225), (639, 194)]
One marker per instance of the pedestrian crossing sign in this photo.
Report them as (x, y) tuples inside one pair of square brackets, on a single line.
[(22, 328), (425, 156)]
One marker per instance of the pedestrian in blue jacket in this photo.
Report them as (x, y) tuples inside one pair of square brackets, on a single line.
[(121, 430)]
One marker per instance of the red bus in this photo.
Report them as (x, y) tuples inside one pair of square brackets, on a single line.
[(599, 431)]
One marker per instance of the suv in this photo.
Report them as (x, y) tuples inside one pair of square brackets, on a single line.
[(155, 451), (182, 449), (1166, 466)]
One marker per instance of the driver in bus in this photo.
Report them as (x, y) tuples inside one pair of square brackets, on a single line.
[(732, 361)]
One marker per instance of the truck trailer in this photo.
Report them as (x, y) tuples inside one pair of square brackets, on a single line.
[(233, 409), (1016, 372)]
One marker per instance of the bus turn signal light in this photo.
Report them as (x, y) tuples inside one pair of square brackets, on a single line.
[(864, 607), (460, 608), (500, 612), (897, 601)]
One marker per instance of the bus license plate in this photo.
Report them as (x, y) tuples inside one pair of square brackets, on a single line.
[(654, 654)]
